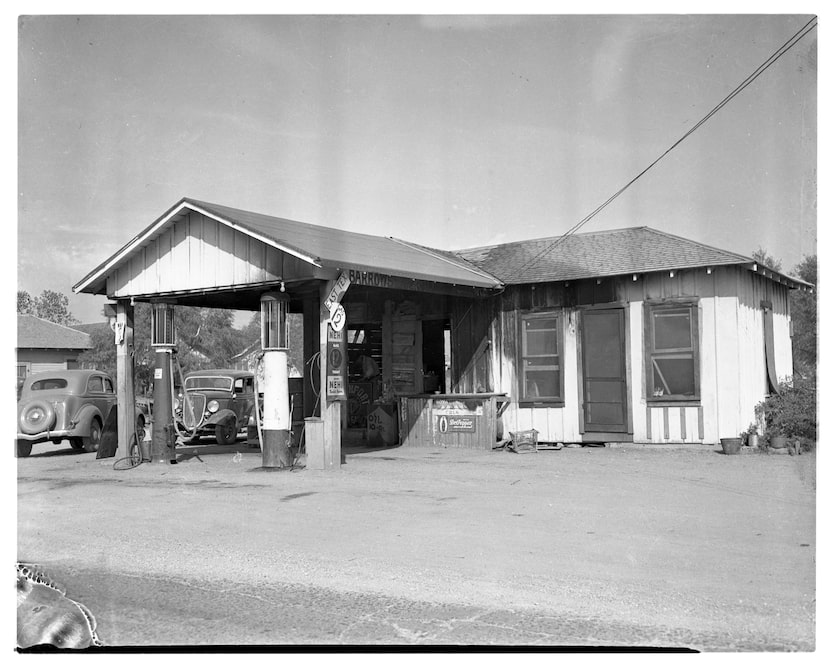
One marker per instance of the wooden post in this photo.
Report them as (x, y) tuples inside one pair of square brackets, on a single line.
[(330, 401), (125, 367)]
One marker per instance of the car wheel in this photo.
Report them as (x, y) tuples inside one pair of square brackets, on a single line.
[(225, 434), (77, 443), (24, 448), (36, 417), (93, 440)]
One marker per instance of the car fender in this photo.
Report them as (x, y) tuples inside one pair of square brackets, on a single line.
[(222, 417), (83, 419)]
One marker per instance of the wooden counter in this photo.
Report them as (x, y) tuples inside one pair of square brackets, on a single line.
[(451, 420)]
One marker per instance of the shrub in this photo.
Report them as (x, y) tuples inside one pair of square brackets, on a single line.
[(791, 412)]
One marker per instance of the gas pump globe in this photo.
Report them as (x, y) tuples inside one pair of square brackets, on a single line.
[(163, 329), (274, 316), (272, 381)]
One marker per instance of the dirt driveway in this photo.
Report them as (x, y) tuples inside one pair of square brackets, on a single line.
[(665, 545)]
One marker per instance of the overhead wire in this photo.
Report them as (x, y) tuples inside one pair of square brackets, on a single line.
[(792, 41)]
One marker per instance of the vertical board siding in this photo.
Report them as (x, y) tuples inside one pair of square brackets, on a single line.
[(195, 253), (752, 290), (568, 417), (728, 366)]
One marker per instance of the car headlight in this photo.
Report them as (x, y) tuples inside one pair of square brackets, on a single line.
[(213, 405)]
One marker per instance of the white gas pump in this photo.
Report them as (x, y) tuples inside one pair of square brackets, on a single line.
[(272, 381)]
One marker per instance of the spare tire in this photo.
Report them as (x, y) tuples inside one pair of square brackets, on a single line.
[(36, 417)]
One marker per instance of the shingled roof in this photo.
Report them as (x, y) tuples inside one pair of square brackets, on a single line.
[(33, 332), (600, 254)]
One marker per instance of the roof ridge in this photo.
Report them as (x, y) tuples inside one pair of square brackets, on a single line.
[(551, 238)]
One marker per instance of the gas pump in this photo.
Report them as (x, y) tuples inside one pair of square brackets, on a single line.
[(272, 381), (163, 340)]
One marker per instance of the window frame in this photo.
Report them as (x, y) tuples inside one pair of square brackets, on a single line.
[(525, 399), (649, 351)]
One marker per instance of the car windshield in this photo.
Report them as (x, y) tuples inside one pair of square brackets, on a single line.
[(224, 383), (49, 384)]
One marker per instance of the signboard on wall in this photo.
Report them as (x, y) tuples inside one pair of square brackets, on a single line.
[(456, 423)]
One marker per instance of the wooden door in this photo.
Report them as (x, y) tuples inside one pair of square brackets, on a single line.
[(604, 386)]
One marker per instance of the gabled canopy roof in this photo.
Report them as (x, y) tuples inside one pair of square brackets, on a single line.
[(324, 247), (606, 254), (33, 332)]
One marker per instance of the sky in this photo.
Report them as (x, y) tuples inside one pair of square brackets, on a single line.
[(449, 131)]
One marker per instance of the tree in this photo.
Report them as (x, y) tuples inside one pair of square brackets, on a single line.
[(760, 255), (206, 339), (804, 313), (25, 304), (49, 305)]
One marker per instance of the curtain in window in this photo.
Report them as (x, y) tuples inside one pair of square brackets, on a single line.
[(769, 346)]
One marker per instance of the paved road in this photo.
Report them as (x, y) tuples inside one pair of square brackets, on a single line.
[(645, 547)]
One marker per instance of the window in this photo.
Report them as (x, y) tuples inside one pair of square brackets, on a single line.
[(95, 384), (672, 354), (541, 358), (49, 384), (108, 386)]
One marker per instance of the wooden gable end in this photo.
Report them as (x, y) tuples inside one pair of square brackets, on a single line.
[(198, 253)]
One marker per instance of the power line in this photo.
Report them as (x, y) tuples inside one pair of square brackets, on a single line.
[(792, 41)]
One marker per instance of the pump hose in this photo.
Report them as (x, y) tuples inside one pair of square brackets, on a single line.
[(257, 373), (178, 420), (131, 460)]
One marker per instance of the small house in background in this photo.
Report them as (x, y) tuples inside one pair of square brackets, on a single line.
[(43, 346)]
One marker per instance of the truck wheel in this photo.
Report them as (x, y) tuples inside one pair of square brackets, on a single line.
[(93, 440), (24, 448), (77, 443), (226, 433)]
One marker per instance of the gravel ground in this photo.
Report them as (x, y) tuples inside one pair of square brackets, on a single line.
[(628, 545)]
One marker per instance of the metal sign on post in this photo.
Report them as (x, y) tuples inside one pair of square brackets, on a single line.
[(337, 291), (338, 317), (336, 365)]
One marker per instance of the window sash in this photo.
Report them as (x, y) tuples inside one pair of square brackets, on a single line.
[(659, 380), (540, 355)]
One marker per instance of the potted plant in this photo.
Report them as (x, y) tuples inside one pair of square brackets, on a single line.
[(788, 414), (750, 436)]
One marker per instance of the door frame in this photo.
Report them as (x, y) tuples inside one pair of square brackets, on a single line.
[(605, 436)]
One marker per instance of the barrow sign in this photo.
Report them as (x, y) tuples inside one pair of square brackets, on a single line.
[(456, 423)]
